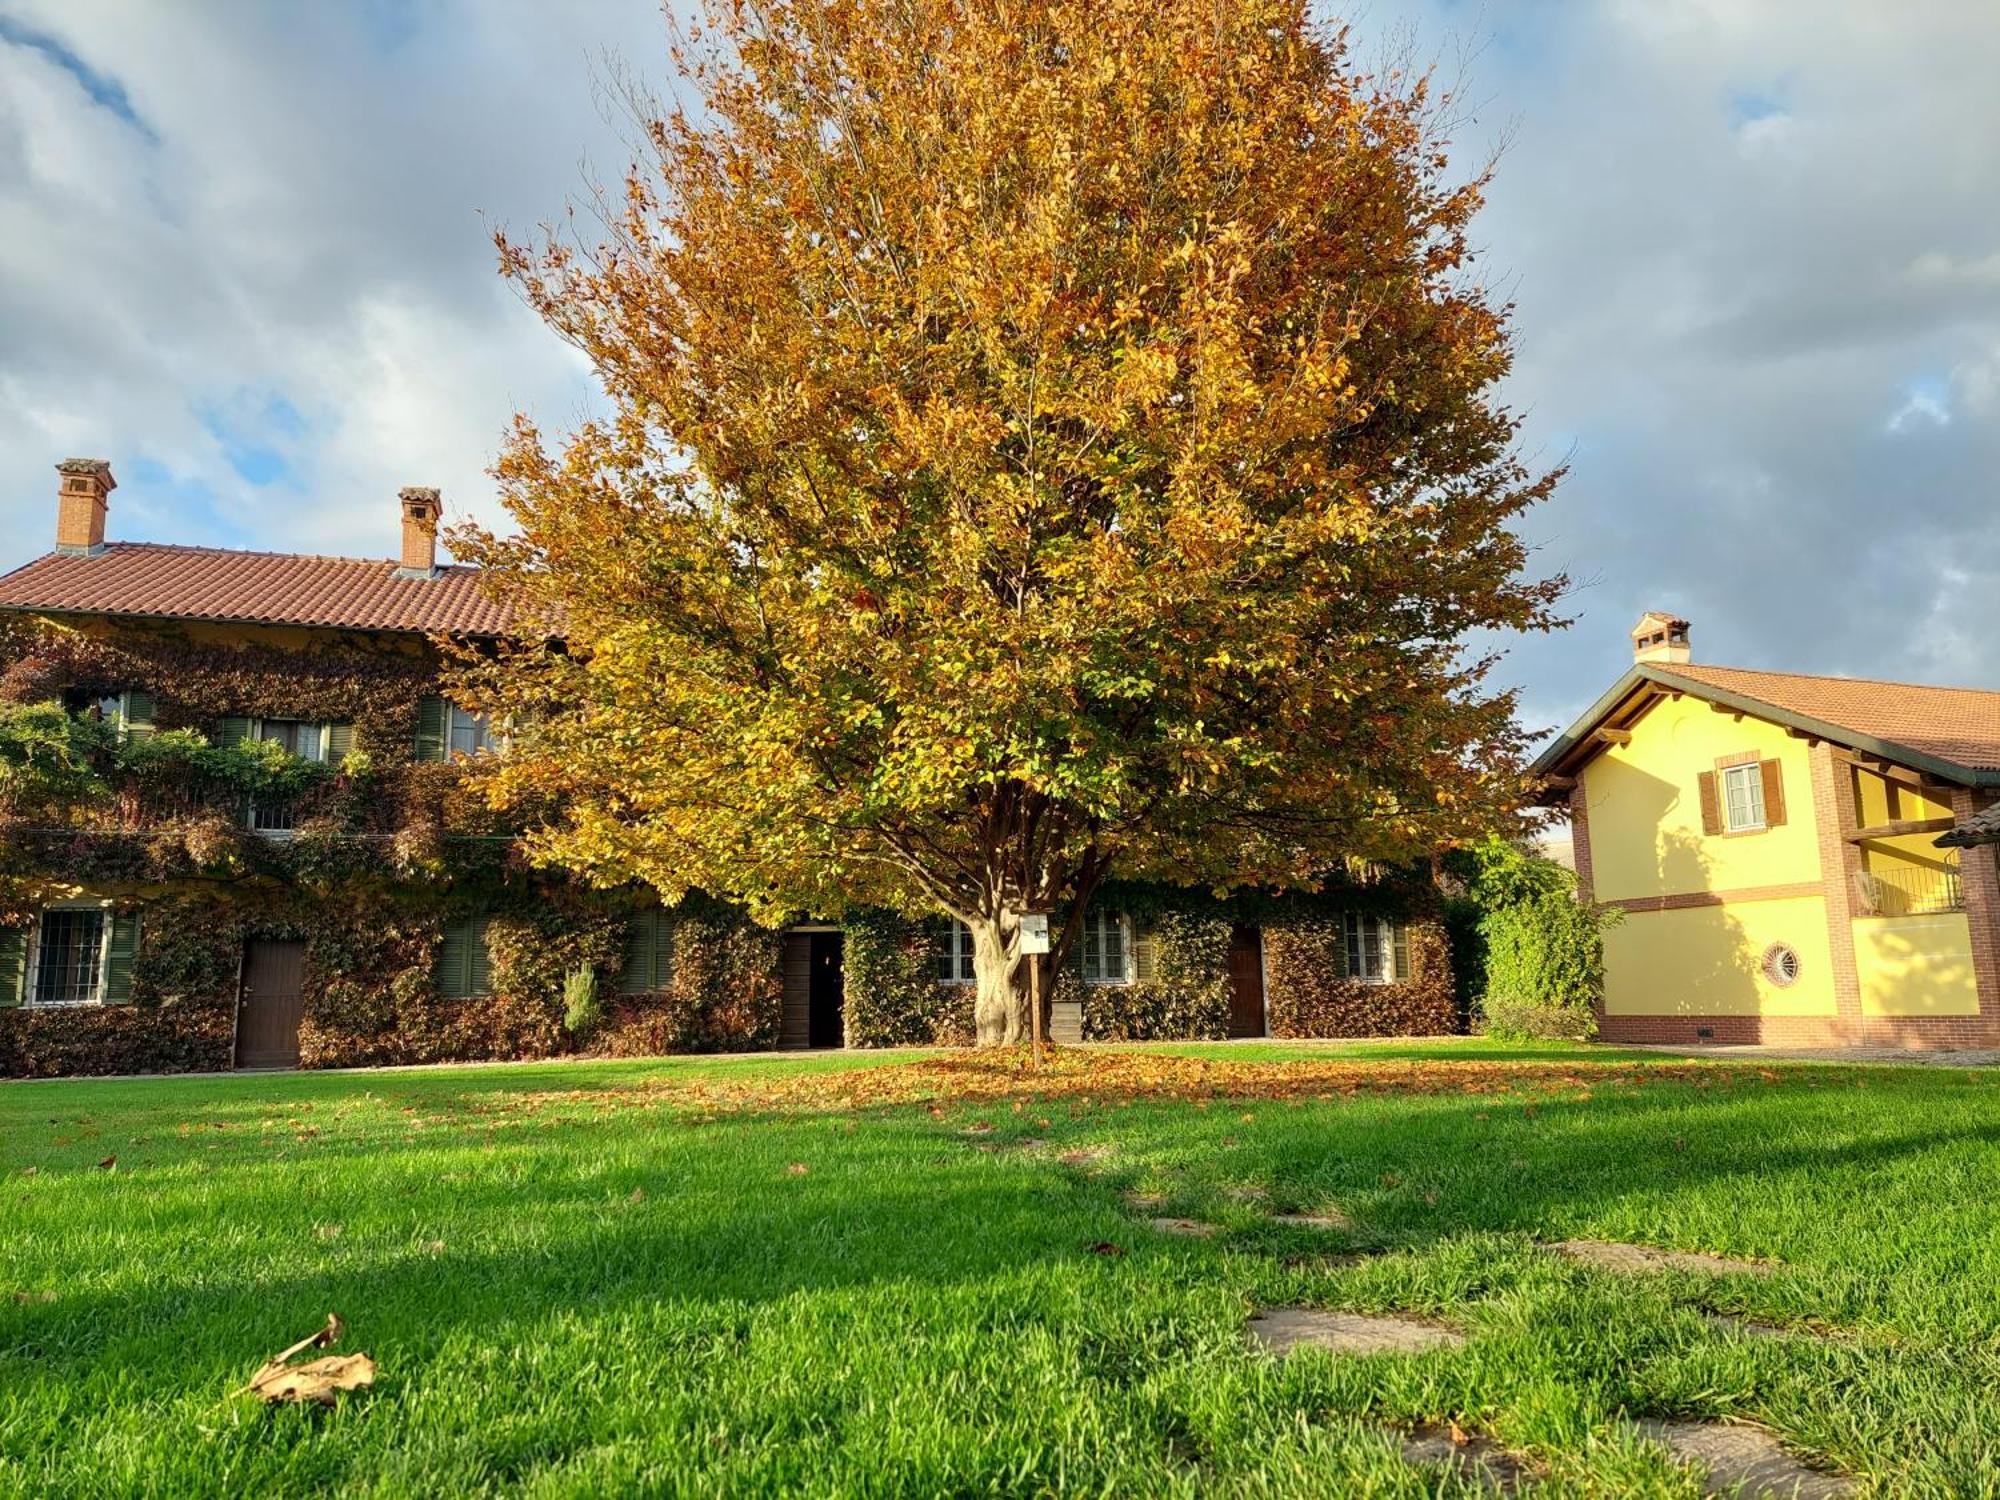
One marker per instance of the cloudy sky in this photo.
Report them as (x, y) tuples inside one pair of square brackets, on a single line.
[(1754, 244)]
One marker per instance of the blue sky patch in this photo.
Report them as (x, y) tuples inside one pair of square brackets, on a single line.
[(104, 90)]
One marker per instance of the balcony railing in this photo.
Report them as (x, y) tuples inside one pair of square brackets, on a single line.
[(1907, 890)]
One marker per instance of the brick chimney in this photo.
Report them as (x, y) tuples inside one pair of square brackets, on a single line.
[(1660, 637), (421, 510), (81, 500)]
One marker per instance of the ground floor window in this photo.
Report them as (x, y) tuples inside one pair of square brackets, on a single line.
[(465, 960), (954, 956), (69, 956), (649, 953), (1106, 949), (1378, 950)]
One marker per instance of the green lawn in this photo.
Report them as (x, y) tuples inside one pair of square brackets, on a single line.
[(592, 1278)]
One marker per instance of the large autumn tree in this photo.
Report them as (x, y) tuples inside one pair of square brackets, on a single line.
[(1051, 438)]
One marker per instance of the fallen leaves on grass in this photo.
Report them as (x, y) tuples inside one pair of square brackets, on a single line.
[(320, 1380), (1088, 1079)]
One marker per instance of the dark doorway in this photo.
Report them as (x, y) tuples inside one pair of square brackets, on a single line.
[(1246, 982), (267, 1026), (826, 988)]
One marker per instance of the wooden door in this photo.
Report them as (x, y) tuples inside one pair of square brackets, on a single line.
[(1246, 982), (827, 992), (267, 1025)]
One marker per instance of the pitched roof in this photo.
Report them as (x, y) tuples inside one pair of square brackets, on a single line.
[(263, 588), (1960, 725), (1953, 733)]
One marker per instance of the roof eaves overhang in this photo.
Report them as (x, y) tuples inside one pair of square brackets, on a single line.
[(1564, 749), (75, 612)]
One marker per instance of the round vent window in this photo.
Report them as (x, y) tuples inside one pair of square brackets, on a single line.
[(1781, 964)]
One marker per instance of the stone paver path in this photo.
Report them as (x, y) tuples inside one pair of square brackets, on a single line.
[(1313, 1221), (1282, 1329), (1614, 1256), (1468, 1456), (1746, 1462)]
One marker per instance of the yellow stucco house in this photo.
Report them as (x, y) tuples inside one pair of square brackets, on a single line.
[(1800, 860)]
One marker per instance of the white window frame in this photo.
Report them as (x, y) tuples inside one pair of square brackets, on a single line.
[(955, 956), (1353, 937), (322, 731), (486, 738), (1749, 775), (1090, 945), (31, 997)]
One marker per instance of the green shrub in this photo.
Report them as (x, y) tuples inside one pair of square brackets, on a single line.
[(1543, 948), (582, 1010)]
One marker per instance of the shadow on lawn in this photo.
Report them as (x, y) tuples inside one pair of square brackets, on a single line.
[(910, 1201)]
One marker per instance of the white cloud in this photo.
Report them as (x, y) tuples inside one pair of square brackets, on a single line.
[(1732, 233)]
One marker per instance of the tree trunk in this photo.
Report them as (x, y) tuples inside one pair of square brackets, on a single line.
[(1000, 1009)]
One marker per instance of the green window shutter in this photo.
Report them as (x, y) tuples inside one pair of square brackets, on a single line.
[(339, 741), (663, 950), (453, 976), (139, 709), (1145, 955), (1401, 941), (118, 957), (231, 729), (637, 975), (430, 729), (13, 965), (481, 980)]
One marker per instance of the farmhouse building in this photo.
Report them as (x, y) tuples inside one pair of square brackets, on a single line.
[(237, 831), (1798, 860)]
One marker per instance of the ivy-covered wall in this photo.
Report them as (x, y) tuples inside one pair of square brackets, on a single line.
[(389, 851)]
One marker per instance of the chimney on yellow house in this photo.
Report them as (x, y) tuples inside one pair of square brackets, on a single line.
[(81, 500), (1660, 637)]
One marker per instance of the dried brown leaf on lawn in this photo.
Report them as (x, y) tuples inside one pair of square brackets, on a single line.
[(318, 1380)]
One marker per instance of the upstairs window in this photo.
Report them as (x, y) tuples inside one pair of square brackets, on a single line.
[(470, 733), (1743, 798), (446, 732), (954, 956), (301, 737), (129, 712), (1377, 949), (1105, 949)]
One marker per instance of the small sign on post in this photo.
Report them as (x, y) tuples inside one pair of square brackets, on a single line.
[(1034, 943)]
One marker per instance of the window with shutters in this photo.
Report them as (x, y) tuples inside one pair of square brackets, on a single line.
[(1378, 950), (954, 955), (464, 960), (1743, 797), (1106, 948), (469, 733), (129, 712), (649, 953), (75, 955)]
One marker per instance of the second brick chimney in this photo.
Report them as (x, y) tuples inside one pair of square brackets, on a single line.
[(81, 500), (421, 509)]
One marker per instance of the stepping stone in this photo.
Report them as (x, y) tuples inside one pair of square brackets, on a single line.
[(1083, 1157), (1144, 1201), (1746, 1462), (1282, 1329), (1745, 1326), (1248, 1194), (1190, 1228), (1475, 1460), (1313, 1221), (1614, 1256)]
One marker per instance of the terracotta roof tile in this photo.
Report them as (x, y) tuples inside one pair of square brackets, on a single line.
[(265, 588), (1960, 725)]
